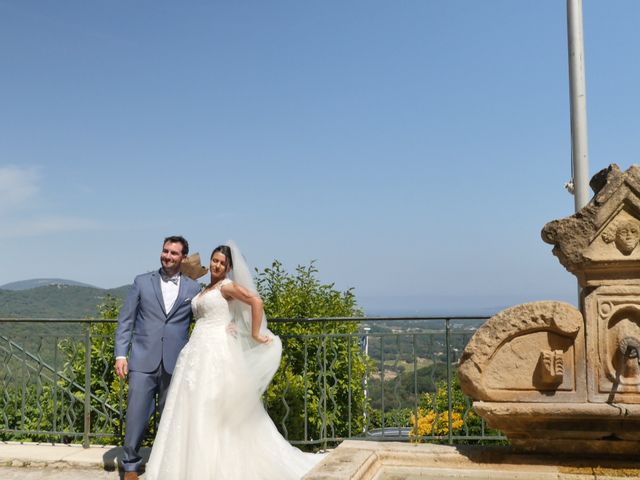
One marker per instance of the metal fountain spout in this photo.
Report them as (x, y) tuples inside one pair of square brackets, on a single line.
[(629, 348)]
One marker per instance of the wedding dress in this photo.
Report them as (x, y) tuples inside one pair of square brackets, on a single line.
[(214, 426)]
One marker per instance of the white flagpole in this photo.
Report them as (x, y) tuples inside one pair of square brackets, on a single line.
[(578, 99)]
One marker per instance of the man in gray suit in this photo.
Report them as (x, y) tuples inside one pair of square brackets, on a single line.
[(152, 328)]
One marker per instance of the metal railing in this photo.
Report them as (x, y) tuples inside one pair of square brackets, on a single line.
[(391, 378)]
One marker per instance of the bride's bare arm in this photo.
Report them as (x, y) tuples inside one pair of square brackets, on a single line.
[(240, 293)]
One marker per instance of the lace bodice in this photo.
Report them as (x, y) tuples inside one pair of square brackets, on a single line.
[(210, 307)]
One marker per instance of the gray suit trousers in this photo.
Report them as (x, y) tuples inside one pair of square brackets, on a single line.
[(140, 405)]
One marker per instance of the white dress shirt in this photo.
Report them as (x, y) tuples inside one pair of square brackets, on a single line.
[(170, 288)]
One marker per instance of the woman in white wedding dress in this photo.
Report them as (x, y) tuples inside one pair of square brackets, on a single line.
[(214, 426)]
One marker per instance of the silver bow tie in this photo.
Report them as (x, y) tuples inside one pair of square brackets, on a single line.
[(173, 279)]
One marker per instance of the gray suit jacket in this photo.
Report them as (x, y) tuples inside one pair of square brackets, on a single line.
[(146, 332)]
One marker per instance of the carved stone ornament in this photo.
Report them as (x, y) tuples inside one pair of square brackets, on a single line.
[(552, 366), (501, 362), (599, 243), (624, 234)]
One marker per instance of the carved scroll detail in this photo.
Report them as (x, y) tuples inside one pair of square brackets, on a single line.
[(555, 317)]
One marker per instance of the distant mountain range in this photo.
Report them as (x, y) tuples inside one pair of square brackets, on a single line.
[(42, 282), (54, 298), (61, 298)]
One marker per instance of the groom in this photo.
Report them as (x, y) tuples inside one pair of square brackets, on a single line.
[(152, 329)]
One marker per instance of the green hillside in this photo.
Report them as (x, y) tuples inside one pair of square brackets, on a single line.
[(56, 301)]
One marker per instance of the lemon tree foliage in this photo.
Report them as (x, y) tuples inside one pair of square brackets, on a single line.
[(322, 369)]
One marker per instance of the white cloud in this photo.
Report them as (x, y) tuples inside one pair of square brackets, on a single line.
[(17, 187), (48, 225), (20, 199)]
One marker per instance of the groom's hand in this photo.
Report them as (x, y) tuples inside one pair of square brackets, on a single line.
[(122, 367)]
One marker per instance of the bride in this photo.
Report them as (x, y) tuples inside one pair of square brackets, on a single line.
[(214, 425)]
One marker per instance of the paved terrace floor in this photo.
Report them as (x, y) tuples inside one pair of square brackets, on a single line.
[(31, 461), (352, 460)]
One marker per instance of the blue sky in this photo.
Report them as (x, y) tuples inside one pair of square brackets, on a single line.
[(413, 149)]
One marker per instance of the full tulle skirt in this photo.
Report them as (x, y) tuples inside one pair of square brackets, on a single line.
[(214, 425)]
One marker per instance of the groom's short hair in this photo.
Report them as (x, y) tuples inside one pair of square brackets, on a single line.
[(178, 239)]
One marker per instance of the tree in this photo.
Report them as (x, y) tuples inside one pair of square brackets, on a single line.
[(322, 369), (108, 393), (50, 396)]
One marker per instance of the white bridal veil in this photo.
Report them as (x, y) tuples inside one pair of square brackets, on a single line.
[(262, 359)]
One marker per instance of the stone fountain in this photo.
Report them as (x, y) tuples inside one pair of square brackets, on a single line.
[(553, 378), (561, 380)]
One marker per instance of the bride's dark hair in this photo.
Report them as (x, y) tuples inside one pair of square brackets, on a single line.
[(226, 251)]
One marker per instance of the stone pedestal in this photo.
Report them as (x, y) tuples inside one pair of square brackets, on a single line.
[(557, 379)]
